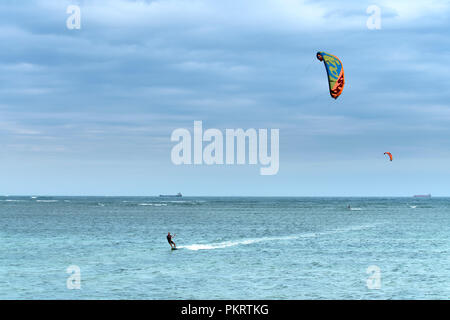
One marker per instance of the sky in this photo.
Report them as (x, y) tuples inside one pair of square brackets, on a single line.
[(90, 111)]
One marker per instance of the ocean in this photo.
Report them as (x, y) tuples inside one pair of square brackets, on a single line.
[(229, 248)]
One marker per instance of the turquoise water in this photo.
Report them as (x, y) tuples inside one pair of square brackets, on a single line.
[(229, 248)]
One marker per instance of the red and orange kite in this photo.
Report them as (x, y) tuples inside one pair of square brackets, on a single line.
[(389, 154)]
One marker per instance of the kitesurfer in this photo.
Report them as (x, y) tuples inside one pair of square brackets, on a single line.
[(169, 239)]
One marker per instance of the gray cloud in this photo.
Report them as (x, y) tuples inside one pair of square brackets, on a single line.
[(139, 69)]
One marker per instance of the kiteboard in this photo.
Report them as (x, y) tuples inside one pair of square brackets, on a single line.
[(174, 249)]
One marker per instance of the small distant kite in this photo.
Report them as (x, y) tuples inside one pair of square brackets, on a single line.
[(389, 155), (335, 72)]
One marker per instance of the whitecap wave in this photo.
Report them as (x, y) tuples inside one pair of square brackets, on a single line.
[(184, 201), (153, 204)]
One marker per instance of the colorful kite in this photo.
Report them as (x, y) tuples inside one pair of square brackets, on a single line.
[(389, 154), (335, 72)]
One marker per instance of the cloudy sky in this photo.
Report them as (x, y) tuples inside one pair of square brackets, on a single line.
[(91, 111)]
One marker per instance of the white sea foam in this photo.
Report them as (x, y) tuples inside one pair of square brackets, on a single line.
[(153, 204), (226, 244), (46, 200), (169, 202), (185, 201)]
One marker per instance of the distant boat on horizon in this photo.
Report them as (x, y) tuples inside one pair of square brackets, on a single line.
[(422, 196), (178, 195)]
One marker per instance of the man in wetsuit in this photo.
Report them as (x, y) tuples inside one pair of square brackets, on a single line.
[(169, 239)]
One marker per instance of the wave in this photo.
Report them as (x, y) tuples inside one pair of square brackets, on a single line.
[(184, 202), (174, 202), (355, 209), (351, 228), (47, 200), (227, 244)]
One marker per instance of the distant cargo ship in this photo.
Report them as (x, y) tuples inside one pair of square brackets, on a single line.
[(178, 195), (422, 196)]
